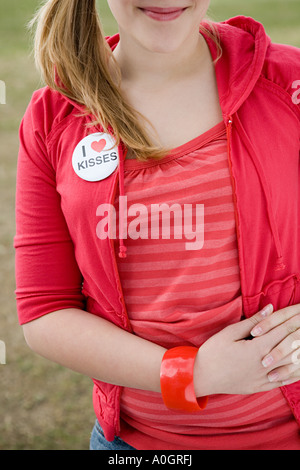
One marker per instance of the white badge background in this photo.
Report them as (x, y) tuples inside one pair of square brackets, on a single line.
[(86, 160)]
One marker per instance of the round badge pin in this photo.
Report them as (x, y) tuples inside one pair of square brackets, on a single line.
[(95, 157)]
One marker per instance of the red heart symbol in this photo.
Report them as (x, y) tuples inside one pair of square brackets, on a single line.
[(98, 146)]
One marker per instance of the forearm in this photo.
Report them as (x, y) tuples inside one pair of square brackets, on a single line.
[(96, 348)]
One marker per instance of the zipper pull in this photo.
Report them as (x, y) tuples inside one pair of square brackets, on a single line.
[(228, 132), (229, 123)]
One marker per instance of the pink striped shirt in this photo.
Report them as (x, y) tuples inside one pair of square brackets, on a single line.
[(178, 296)]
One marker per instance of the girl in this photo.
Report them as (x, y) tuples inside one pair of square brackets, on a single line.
[(172, 115)]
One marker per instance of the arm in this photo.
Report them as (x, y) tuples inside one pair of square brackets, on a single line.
[(226, 363), (97, 348)]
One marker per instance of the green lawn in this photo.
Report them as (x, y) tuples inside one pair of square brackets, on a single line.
[(43, 406)]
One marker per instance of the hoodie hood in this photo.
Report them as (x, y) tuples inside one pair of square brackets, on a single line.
[(244, 46)]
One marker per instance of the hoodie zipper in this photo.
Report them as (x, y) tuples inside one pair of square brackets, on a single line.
[(229, 123)]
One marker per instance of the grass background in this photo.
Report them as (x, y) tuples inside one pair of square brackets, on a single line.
[(42, 405)]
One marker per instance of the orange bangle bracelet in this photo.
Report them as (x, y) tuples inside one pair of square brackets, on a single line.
[(177, 380)]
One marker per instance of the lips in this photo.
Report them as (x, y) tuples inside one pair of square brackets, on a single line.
[(163, 10), (163, 14)]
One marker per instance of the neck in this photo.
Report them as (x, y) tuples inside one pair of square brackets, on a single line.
[(146, 68)]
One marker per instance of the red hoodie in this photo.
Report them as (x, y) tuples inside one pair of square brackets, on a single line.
[(60, 261)]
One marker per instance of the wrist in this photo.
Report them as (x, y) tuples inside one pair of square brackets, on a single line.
[(201, 377)]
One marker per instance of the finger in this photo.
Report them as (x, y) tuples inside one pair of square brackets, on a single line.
[(268, 386), (243, 328), (287, 348), (285, 374), (278, 317)]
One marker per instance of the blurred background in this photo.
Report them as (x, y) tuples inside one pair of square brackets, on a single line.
[(42, 405)]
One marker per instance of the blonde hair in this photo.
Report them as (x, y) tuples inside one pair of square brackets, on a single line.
[(75, 59)]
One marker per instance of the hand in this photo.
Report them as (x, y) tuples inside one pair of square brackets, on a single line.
[(283, 360), (228, 363)]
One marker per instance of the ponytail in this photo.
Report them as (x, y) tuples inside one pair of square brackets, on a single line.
[(74, 58)]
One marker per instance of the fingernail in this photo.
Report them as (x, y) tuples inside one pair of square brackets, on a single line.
[(267, 310), (273, 377), (267, 361), (256, 331)]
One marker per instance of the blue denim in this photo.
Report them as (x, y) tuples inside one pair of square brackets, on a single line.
[(98, 441)]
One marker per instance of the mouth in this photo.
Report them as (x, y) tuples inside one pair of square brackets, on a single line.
[(163, 14)]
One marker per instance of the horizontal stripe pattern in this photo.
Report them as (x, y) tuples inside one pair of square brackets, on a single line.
[(180, 297)]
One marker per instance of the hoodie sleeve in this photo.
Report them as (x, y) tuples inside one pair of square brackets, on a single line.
[(47, 275)]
